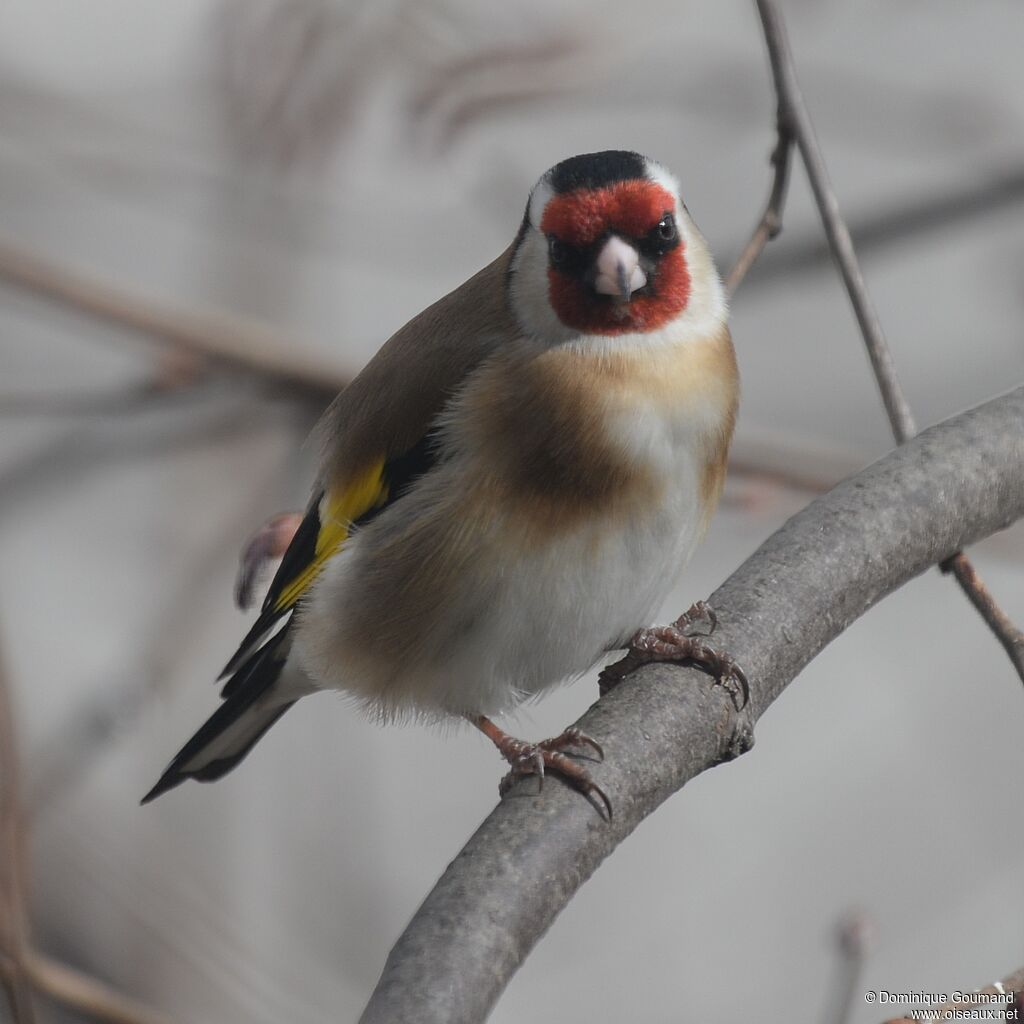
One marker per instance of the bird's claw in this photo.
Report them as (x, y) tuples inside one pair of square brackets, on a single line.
[(675, 642), (697, 611), (549, 756), (572, 737)]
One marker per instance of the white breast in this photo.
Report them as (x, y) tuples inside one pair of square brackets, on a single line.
[(518, 622), (620, 578)]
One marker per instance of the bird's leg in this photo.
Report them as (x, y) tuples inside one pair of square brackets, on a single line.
[(547, 755), (270, 541), (676, 642)]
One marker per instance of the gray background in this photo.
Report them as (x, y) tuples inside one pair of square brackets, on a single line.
[(888, 776)]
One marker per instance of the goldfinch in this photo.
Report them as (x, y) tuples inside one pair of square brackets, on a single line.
[(511, 486)]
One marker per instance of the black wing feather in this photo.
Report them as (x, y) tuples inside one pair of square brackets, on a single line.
[(399, 474)]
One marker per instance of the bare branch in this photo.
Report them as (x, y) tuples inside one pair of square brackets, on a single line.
[(469, 88), (950, 486), (998, 621), (852, 938), (840, 243), (22, 969), (86, 994), (228, 339), (115, 401), (770, 223), (902, 219), (795, 461), (794, 126)]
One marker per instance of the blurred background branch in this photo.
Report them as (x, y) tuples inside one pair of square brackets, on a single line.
[(217, 336), (22, 969)]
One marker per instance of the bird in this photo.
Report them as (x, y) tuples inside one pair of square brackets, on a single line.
[(509, 489)]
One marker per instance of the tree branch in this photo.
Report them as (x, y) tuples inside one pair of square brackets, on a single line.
[(22, 969), (73, 988), (799, 122), (794, 127), (225, 338), (950, 486), (852, 939), (997, 620), (899, 220), (770, 223)]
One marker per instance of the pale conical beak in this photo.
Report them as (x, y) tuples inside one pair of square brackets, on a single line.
[(618, 270)]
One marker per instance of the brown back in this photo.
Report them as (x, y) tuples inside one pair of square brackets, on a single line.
[(393, 401)]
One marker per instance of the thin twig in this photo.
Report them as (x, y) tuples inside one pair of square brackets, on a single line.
[(793, 460), (245, 344), (794, 126), (840, 243), (468, 89), (998, 621), (902, 219), (852, 938), (770, 224), (22, 969), (115, 401), (84, 993)]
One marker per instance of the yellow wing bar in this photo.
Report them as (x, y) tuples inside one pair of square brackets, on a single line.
[(339, 509)]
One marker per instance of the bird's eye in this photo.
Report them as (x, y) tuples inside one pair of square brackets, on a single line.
[(667, 228), (556, 251)]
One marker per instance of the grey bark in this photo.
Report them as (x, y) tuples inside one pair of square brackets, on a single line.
[(950, 486)]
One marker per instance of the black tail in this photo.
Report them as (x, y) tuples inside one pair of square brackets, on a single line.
[(250, 708)]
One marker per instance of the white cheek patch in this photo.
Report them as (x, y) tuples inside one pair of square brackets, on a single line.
[(660, 176), (529, 291), (539, 199)]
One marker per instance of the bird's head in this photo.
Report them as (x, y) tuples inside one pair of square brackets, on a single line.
[(607, 249)]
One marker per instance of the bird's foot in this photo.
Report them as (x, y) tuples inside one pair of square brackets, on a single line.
[(546, 756), (678, 642), (270, 541)]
